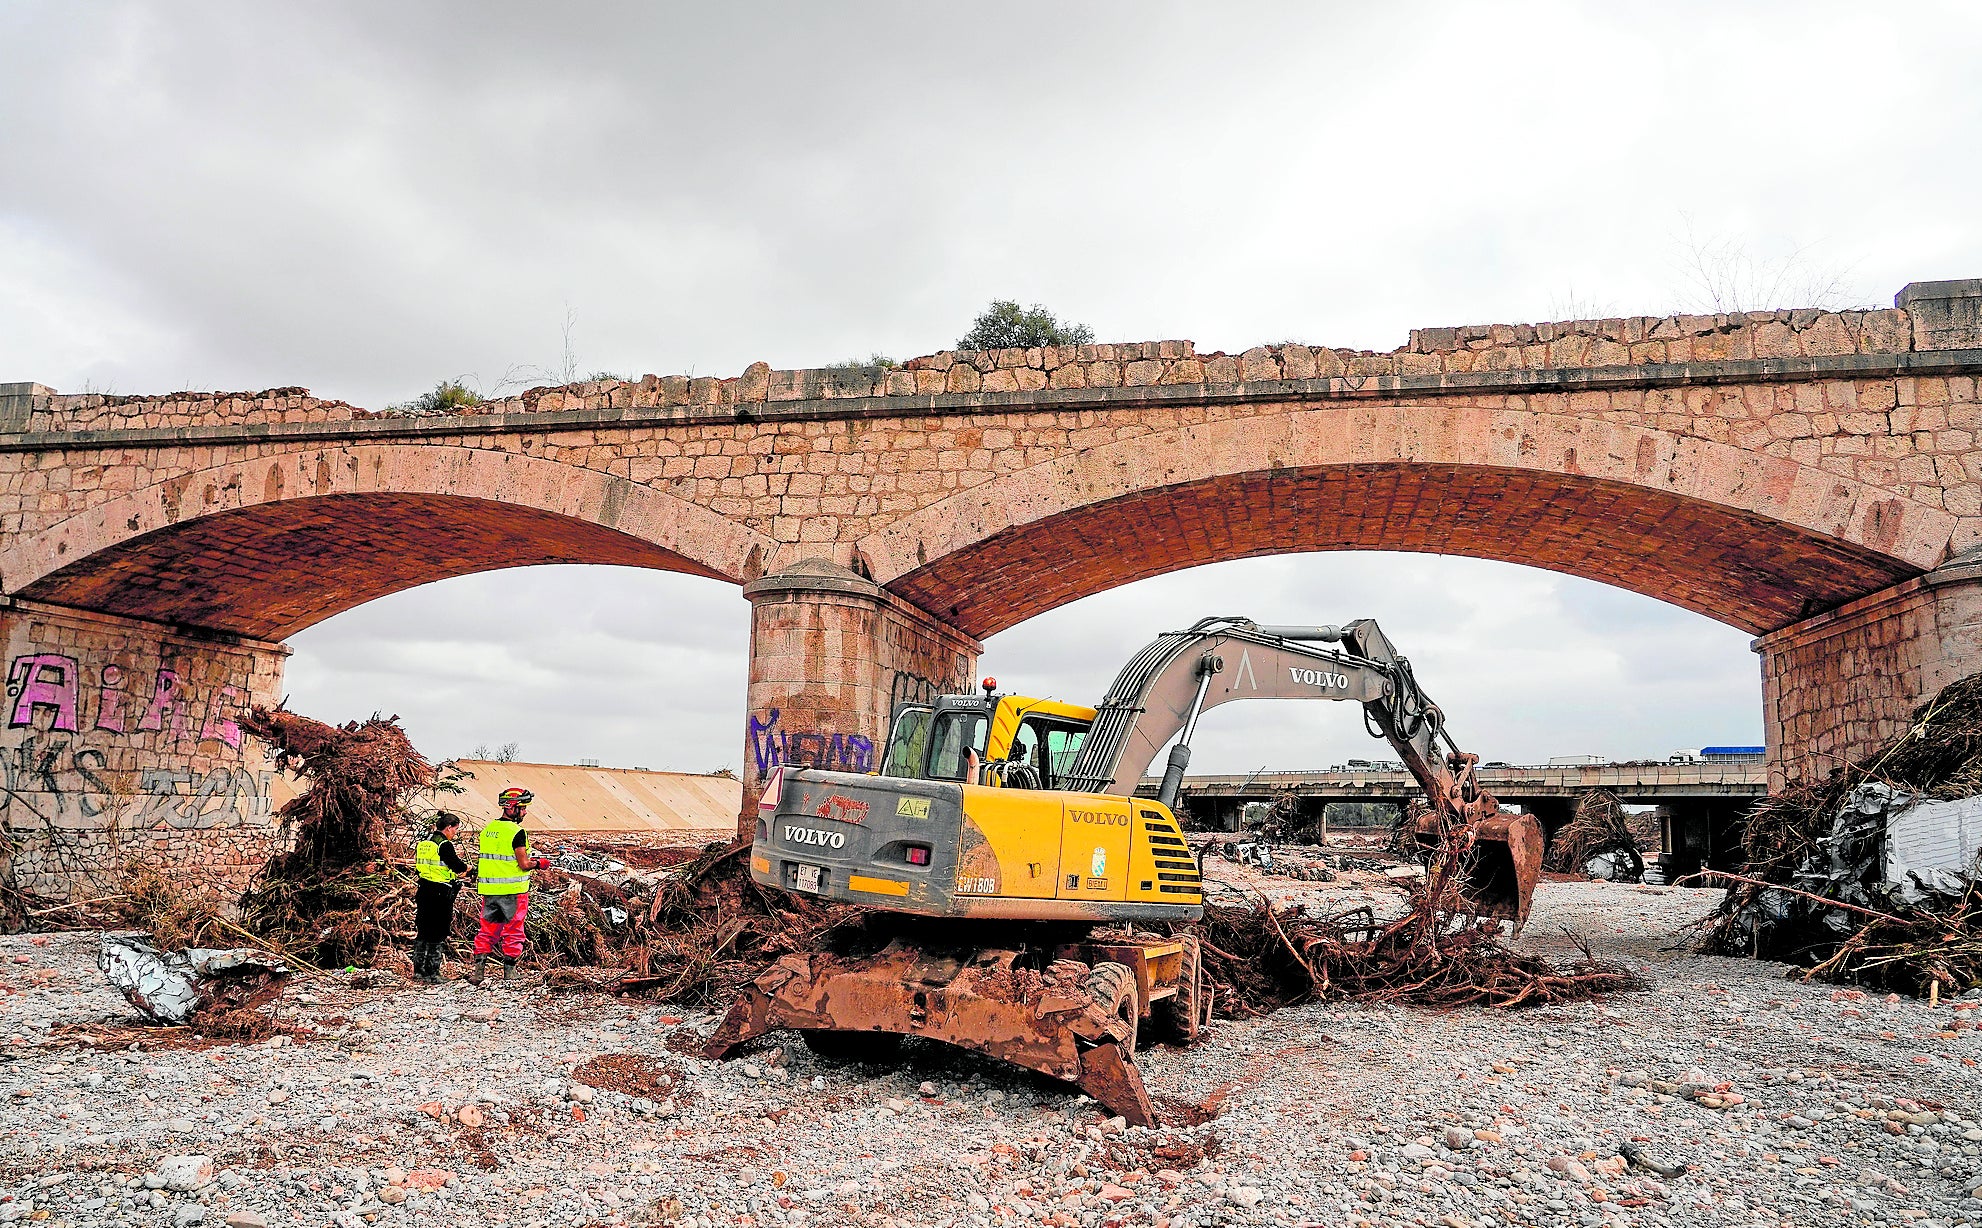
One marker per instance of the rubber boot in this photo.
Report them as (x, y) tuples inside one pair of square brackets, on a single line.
[(479, 972), (508, 965)]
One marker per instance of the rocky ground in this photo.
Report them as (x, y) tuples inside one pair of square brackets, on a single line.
[(1785, 1103)]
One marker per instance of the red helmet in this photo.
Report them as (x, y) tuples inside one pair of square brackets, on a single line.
[(515, 797)]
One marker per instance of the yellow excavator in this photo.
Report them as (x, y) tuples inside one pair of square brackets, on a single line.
[(1005, 833)]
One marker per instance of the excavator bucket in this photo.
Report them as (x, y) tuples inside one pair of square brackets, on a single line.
[(974, 999), (1502, 867)]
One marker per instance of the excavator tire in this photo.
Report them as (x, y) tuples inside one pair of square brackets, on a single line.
[(1183, 1014), (1112, 987), (874, 1048)]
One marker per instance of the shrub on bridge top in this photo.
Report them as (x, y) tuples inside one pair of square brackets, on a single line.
[(1005, 325), (447, 397)]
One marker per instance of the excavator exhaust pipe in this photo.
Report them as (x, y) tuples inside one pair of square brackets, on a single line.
[(1502, 866)]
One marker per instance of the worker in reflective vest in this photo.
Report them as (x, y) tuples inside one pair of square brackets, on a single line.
[(502, 876), (440, 869)]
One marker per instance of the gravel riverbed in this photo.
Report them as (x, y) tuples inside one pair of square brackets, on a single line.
[(1786, 1103)]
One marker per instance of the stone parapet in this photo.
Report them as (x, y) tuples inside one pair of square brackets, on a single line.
[(1638, 341)]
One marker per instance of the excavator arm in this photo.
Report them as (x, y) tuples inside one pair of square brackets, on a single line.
[(1163, 691)]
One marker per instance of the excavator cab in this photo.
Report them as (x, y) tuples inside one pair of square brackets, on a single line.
[(1003, 741)]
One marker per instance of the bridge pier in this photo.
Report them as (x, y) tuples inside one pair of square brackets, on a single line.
[(1551, 813), (1838, 685), (119, 744), (1701, 834), (831, 653)]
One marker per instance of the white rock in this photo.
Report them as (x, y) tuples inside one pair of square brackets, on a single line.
[(186, 1172), (1243, 1196)]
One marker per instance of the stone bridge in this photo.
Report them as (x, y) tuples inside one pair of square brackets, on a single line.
[(1811, 477)]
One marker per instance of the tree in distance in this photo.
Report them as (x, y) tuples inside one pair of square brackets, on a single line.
[(1005, 325)]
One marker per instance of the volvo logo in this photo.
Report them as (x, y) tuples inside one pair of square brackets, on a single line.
[(810, 835), (1319, 677)]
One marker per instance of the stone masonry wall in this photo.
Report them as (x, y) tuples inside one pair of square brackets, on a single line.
[(1838, 686), (119, 746)]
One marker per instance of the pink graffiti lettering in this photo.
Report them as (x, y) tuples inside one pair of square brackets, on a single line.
[(219, 720), (30, 677), (109, 700), (164, 699)]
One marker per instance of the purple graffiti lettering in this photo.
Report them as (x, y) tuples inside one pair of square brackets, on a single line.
[(767, 743), (164, 699), (771, 746), (30, 677), (110, 700), (851, 752), (219, 723)]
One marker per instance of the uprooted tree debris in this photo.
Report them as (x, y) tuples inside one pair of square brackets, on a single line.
[(1438, 953), (1597, 841), (1822, 884)]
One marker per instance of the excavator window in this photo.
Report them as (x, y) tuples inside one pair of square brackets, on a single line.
[(955, 736), (1063, 744), (1027, 770), (908, 742)]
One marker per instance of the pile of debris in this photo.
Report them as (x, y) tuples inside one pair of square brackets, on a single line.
[(696, 932), (220, 992), (1439, 953), (1598, 842), (1870, 876)]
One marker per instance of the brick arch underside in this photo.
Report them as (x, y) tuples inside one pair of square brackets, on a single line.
[(272, 569), (1736, 567)]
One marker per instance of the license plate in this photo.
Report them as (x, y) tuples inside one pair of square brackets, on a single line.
[(808, 879)]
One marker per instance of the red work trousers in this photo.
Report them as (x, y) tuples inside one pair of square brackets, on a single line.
[(502, 925)]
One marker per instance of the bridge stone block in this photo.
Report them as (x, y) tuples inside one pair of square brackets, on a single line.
[(831, 653), (1946, 315), (120, 747), (1837, 686)]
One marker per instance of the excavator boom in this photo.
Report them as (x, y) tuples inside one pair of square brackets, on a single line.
[(1163, 691)]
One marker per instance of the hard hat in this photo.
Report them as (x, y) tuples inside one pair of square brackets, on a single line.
[(516, 797)]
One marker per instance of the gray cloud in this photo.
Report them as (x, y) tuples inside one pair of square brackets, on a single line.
[(367, 198)]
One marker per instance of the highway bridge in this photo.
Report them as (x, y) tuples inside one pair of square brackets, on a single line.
[(1704, 801)]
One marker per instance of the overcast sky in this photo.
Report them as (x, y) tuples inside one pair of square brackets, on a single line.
[(366, 199)]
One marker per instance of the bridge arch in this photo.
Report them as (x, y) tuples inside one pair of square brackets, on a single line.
[(1749, 539), (268, 546)]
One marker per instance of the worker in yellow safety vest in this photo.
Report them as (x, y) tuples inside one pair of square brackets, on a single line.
[(503, 879), (441, 870)]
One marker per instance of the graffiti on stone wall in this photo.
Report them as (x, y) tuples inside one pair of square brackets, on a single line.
[(911, 688), (772, 745), (51, 684), (65, 730)]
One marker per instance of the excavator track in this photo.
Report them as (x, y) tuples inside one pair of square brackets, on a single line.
[(983, 1000)]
